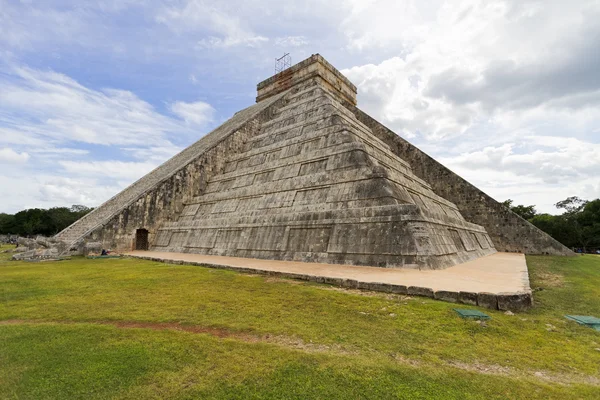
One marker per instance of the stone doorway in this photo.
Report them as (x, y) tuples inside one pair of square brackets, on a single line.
[(141, 239)]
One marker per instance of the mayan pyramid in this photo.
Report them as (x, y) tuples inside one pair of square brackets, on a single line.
[(305, 175)]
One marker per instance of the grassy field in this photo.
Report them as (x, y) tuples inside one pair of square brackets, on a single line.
[(126, 328)]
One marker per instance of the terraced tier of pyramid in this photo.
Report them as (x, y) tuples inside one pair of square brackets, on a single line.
[(298, 176), (315, 185)]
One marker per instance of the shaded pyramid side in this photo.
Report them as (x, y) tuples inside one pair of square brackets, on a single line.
[(159, 195), (314, 184), (508, 231)]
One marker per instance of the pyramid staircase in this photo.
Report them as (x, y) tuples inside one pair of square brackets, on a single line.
[(77, 232)]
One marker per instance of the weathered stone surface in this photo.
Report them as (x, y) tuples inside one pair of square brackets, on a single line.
[(8, 238), (381, 287), (159, 196), (311, 186), (515, 301), (40, 248), (92, 248), (27, 243), (420, 291), (399, 289), (333, 281), (313, 67), (445, 295), (37, 254), (350, 283), (487, 300), (299, 176), (508, 231), (44, 241), (467, 298)]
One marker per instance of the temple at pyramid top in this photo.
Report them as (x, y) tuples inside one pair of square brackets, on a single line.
[(314, 67), (305, 175)]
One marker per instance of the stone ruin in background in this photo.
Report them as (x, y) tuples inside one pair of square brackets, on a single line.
[(39, 249)]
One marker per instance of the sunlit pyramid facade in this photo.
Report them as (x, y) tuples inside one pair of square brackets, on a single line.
[(305, 175)]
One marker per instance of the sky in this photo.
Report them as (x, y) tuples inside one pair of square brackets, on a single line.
[(95, 94)]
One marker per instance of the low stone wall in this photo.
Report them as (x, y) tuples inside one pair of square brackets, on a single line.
[(519, 301)]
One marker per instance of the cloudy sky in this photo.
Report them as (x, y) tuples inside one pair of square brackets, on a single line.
[(94, 94)]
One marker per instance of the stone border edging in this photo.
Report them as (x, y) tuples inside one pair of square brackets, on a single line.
[(506, 301)]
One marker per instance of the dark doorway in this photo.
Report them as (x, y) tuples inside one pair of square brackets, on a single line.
[(141, 239)]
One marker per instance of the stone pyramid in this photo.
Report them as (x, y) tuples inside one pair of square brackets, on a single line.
[(305, 175)]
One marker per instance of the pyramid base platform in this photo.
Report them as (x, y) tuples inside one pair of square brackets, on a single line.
[(498, 281)]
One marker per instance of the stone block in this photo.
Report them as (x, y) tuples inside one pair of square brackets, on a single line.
[(515, 301), (350, 283), (43, 241), (36, 255), (467, 298), (420, 291), (333, 281), (380, 287), (399, 289), (445, 295), (91, 248), (487, 300), (364, 286)]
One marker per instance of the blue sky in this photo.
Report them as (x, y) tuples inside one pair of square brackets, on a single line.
[(94, 94)]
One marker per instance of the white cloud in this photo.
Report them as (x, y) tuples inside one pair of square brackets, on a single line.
[(54, 107), (504, 92), (291, 41), (225, 29), (43, 190), (387, 23), (60, 191), (538, 170), (152, 154), (551, 159), (113, 170), (52, 126), (198, 113), (212, 42), (478, 60), (8, 155)]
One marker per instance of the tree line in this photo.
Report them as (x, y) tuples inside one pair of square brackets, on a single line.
[(38, 221), (577, 227)]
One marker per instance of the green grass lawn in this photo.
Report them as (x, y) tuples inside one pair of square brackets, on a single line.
[(126, 328)]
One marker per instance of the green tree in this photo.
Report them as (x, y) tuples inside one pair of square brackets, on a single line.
[(36, 221), (588, 222), (556, 226), (525, 212), (577, 220), (572, 205), (7, 224), (578, 226), (79, 209)]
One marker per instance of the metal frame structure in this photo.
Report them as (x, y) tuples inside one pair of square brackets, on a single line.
[(282, 63)]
